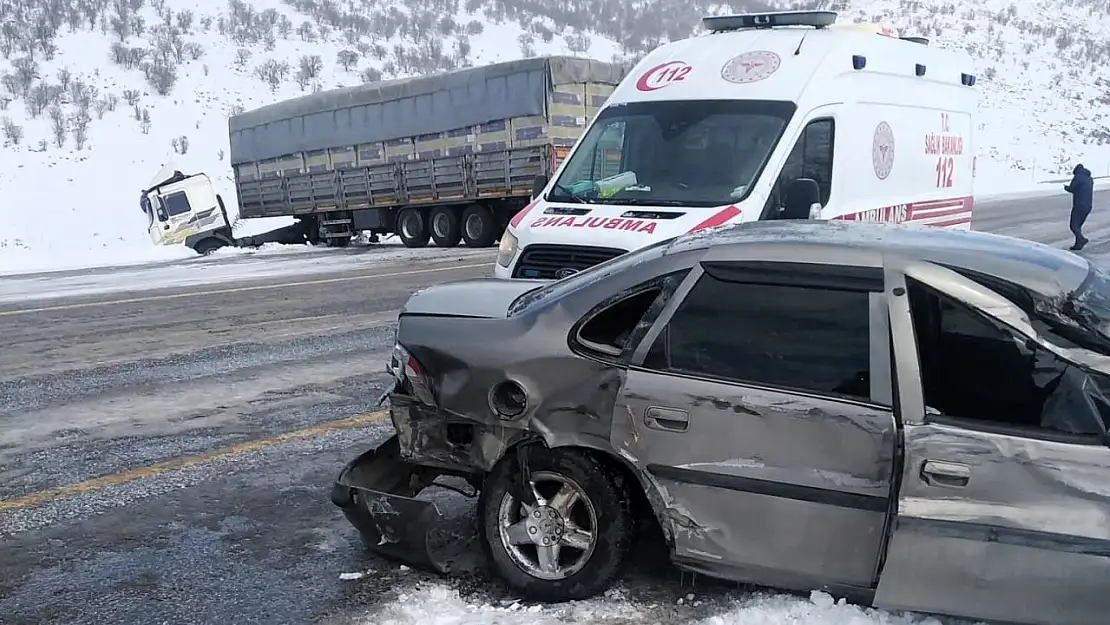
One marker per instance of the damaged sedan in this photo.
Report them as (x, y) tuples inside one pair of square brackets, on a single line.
[(907, 417)]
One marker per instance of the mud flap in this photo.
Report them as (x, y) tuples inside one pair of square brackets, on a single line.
[(376, 492)]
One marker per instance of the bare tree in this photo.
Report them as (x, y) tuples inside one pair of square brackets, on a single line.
[(347, 59), (12, 131), (242, 57), (161, 75), (80, 123), (144, 121), (310, 67), (578, 43), (58, 125), (371, 74), (194, 50), (131, 96), (26, 73), (185, 21), (38, 99), (273, 72)]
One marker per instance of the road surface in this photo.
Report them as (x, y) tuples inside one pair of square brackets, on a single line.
[(166, 453)]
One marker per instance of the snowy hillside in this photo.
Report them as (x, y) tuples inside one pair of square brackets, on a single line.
[(96, 94)]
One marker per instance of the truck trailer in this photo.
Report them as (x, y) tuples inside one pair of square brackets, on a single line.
[(448, 157)]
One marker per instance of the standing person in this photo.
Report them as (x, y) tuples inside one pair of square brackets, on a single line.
[(1081, 189)]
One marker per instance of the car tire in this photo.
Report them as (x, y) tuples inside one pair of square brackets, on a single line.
[(479, 228), (412, 228), (445, 226), (602, 508)]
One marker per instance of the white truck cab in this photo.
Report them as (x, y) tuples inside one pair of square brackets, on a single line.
[(180, 207), (185, 209), (784, 115)]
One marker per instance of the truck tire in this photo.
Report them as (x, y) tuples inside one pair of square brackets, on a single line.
[(412, 227), (446, 226), (204, 247), (601, 510), (479, 228)]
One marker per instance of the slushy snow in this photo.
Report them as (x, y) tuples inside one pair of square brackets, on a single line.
[(435, 604)]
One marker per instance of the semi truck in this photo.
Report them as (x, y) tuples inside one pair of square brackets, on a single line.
[(442, 158)]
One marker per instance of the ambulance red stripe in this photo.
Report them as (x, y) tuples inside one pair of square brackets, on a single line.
[(718, 219), (522, 213)]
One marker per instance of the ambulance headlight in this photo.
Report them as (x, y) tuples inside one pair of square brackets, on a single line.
[(507, 250)]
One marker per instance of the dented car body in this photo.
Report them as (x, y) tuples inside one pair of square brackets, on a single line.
[(909, 417)]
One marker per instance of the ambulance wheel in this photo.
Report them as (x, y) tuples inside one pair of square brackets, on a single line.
[(446, 227), (572, 544), (412, 227), (479, 228)]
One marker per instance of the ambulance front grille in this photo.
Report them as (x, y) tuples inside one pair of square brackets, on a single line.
[(551, 262)]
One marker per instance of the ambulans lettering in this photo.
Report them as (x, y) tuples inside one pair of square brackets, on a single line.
[(897, 213), (946, 145), (606, 223), (663, 75)]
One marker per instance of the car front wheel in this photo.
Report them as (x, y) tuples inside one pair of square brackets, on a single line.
[(571, 542)]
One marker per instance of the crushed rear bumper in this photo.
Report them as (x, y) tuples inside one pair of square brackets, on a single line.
[(376, 492)]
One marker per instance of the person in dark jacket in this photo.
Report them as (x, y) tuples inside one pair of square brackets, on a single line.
[(1081, 189)]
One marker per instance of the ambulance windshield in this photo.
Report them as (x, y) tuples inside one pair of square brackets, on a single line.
[(673, 153)]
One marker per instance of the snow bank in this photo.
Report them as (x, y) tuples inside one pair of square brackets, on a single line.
[(820, 609), (437, 605)]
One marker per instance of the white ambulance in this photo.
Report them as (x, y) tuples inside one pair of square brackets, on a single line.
[(782, 115)]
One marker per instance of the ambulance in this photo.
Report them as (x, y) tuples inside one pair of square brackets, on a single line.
[(784, 115)]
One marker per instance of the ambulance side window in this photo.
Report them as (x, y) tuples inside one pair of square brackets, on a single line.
[(812, 157)]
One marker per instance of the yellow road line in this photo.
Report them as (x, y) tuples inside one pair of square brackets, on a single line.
[(100, 483), (260, 287)]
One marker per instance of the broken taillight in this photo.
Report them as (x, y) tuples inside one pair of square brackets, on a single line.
[(411, 375)]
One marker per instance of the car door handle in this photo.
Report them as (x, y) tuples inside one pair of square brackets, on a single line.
[(667, 419), (949, 474)]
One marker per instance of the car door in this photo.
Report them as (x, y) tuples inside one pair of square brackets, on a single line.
[(1004, 502), (759, 405)]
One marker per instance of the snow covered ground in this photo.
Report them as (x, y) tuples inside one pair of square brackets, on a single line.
[(436, 604), (69, 199)]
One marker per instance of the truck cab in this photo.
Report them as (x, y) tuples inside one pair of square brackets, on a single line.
[(184, 208), (784, 115)]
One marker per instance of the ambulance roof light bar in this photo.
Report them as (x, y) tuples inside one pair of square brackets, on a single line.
[(745, 21)]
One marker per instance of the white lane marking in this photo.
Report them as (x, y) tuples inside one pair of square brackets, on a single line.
[(261, 287)]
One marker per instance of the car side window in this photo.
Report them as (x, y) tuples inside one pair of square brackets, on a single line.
[(975, 369), (605, 331), (793, 337), (812, 157)]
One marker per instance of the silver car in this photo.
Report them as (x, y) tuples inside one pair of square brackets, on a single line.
[(908, 417)]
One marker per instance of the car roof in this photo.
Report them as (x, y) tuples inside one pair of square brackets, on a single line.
[(1039, 268)]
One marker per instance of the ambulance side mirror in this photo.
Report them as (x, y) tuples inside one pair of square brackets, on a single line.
[(538, 184), (802, 201)]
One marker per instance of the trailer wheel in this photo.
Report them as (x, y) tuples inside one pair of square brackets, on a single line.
[(571, 545), (412, 227), (446, 227), (479, 228)]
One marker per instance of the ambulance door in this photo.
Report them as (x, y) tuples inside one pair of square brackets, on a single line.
[(811, 156)]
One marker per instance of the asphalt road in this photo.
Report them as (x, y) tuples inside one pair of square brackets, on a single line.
[(165, 455)]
